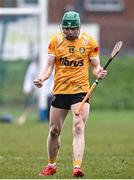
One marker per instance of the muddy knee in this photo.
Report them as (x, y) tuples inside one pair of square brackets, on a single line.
[(54, 132), (78, 129)]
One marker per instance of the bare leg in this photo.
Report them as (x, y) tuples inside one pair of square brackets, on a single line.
[(78, 133), (57, 117)]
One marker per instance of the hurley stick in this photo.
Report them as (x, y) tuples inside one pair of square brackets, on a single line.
[(114, 52)]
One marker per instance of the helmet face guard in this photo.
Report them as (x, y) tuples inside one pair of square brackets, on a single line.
[(71, 19)]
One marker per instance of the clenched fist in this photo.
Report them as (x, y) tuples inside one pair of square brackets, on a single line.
[(38, 83)]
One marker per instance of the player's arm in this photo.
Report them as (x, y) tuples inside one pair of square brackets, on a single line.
[(97, 69), (45, 72)]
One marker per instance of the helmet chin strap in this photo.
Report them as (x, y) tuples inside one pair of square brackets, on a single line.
[(64, 35)]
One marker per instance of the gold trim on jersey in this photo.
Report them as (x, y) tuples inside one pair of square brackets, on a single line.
[(85, 40)]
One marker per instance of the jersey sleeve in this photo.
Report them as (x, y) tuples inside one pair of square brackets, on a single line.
[(94, 49), (51, 47)]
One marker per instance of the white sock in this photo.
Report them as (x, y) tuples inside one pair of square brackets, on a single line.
[(76, 166), (52, 164)]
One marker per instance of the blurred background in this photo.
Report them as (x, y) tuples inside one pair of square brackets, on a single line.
[(26, 26)]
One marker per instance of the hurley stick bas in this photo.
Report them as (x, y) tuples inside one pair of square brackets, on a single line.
[(114, 52), (24, 116)]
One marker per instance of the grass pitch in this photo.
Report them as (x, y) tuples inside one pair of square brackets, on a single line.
[(109, 152)]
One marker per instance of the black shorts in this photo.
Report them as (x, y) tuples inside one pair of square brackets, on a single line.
[(64, 101)]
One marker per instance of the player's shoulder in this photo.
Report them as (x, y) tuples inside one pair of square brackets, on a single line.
[(57, 38), (85, 36)]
